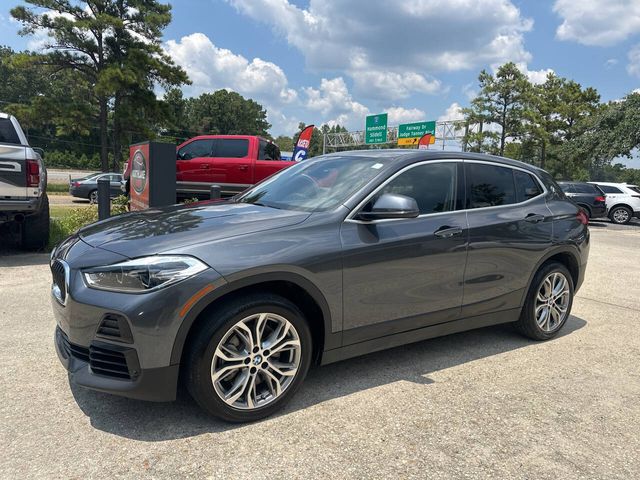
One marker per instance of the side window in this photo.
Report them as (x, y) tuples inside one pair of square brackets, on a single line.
[(268, 151), (489, 185), (433, 186), (567, 188), (232, 148), (196, 149), (586, 188), (609, 189), (7, 132), (527, 187)]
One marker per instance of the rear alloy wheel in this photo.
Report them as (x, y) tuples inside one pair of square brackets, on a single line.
[(552, 302), (548, 303), (93, 197), (253, 362), (620, 215)]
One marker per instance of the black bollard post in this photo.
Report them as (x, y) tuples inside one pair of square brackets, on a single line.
[(104, 198), (216, 192)]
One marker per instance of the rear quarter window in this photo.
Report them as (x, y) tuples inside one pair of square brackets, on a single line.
[(527, 187), (8, 134)]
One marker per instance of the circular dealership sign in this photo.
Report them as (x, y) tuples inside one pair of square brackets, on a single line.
[(138, 172)]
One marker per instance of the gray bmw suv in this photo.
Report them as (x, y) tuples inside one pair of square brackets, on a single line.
[(338, 256)]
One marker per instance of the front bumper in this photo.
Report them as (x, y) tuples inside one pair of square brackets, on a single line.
[(115, 342), (155, 384)]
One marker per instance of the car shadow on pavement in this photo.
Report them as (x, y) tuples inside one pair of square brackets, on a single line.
[(183, 418)]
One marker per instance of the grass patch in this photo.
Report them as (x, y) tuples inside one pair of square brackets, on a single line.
[(57, 188), (66, 221)]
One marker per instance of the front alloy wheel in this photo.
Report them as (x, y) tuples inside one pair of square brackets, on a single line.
[(248, 356), (256, 361)]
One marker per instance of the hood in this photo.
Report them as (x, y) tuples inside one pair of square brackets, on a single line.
[(156, 230)]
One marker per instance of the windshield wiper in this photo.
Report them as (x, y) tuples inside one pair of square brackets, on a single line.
[(265, 205)]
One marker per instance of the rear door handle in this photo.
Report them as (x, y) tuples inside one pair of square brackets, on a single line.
[(534, 218), (447, 232), (204, 165)]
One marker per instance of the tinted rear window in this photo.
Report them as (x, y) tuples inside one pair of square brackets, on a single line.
[(527, 187), (609, 189), (268, 151), (7, 132), (232, 148), (489, 185), (586, 188)]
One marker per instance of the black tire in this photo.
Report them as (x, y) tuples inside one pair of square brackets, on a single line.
[(527, 324), (620, 215), (203, 344), (586, 209), (93, 197), (35, 228)]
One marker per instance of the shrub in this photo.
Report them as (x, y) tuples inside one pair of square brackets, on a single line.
[(76, 218)]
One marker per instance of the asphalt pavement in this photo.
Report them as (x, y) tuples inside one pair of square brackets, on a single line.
[(481, 404)]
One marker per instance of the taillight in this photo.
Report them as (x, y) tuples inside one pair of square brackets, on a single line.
[(600, 199), (583, 217), (33, 173), (75, 184)]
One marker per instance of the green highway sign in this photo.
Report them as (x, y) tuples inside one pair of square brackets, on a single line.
[(376, 129), (410, 133)]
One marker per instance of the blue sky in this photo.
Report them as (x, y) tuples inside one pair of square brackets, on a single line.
[(336, 61)]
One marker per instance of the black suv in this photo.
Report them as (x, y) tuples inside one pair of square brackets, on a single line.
[(334, 257), (588, 196)]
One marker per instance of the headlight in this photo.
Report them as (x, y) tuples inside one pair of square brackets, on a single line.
[(143, 274)]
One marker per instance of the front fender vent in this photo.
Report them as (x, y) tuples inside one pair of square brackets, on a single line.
[(115, 327)]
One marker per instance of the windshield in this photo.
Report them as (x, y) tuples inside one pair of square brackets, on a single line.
[(315, 185)]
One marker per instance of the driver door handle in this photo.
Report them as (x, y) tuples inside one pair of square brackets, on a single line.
[(448, 232), (534, 218), (243, 167), (204, 166)]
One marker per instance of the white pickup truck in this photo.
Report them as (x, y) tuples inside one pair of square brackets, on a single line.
[(24, 205)]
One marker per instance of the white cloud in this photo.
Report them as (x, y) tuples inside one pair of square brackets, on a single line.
[(334, 103), (398, 115), (594, 22), (453, 112), (610, 63), (633, 67), (211, 68), (538, 77), (402, 39)]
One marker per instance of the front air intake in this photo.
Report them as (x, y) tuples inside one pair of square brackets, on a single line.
[(115, 327)]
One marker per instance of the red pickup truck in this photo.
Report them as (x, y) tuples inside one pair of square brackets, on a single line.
[(235, 162)]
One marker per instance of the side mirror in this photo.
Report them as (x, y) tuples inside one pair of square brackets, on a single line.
[(391, 205), (39, 151)]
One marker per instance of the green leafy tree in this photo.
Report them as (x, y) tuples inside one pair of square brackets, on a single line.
[(501, 101), (285, 144), (227, 113), (113, 46)]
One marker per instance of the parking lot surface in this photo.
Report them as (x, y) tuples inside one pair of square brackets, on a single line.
[(485, 403)]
